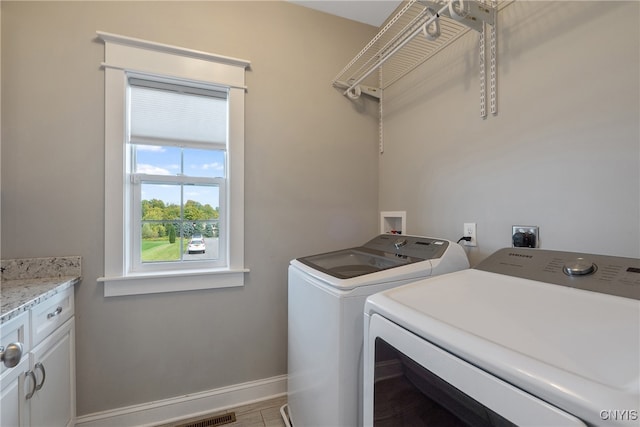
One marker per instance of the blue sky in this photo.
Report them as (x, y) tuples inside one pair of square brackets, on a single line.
[(168, 160)]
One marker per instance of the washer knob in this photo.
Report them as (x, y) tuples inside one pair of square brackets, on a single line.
[(400, 243), (579, 267)]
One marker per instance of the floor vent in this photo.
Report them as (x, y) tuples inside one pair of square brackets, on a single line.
[(217, 420)]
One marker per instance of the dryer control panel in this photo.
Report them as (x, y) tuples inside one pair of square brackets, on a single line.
[(598, 273)]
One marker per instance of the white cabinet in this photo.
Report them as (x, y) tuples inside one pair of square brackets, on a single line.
[(40, 390), (52, 402), (12, 380), (49, 315), (16, 330), (13, 405)]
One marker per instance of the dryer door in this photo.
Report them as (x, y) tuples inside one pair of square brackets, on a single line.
[(431, 385)]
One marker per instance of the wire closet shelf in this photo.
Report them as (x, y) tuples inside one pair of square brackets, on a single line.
[(418, 30)]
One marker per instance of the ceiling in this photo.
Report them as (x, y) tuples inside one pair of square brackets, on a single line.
[(372, 12)]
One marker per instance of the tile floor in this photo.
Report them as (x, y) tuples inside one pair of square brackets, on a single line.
[(259, 414)]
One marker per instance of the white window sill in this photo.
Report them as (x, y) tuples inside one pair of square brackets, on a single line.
[(153, 283)]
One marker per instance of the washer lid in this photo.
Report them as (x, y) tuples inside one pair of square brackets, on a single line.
[(355, 262), (404, 274), (574, 347), (380, 253)]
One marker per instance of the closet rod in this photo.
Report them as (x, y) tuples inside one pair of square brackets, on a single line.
[(397, 48)]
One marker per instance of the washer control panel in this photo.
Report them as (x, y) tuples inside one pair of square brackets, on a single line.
[(598, 273), (408, 246)]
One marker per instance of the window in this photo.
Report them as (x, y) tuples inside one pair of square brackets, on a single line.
[(174, 147), (177, 143)]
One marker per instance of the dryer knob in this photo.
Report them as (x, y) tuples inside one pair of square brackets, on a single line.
[(579, 267), (400, 243)]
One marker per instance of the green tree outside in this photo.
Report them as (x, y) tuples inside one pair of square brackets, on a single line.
[(163, 224)]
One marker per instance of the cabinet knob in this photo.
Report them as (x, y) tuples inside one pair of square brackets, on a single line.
[(54, 313), (40, 366), (11, 355), (34, 382)]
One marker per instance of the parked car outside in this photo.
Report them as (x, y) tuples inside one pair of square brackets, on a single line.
[(196, 245)]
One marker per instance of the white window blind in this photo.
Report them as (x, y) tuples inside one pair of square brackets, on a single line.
[(165, 113)]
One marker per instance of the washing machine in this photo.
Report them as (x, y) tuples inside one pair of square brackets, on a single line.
[(326, 300), (529, 337)]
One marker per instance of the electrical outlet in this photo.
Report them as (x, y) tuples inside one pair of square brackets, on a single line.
[(470, 231), (525, 236)]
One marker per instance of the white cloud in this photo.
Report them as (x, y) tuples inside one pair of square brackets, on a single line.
[(151, 170), (215, 166)]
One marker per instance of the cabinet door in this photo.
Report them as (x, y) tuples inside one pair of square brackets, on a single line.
[(53, 361), (15, 330), (13, 406), (49, 315)]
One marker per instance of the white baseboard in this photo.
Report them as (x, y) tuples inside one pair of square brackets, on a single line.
[(187, 406)]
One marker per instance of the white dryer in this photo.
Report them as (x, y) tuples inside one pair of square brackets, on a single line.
[(528, 337), (326, 300)]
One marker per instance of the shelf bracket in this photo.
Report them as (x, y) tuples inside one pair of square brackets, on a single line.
[(355, 91), (493, 60), (483, 73), (471, 13)]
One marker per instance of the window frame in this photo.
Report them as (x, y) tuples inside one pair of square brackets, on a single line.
[(137, 265), (124, 58), (136, 179)]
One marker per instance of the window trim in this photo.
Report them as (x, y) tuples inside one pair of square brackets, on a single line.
[(125, 56)]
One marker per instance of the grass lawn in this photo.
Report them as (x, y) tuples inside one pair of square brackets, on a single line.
[(160, 250)]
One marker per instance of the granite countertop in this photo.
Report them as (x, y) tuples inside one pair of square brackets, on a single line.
[(27, 282)]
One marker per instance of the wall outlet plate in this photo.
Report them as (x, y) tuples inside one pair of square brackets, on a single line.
[(470, 231), (525, 236)]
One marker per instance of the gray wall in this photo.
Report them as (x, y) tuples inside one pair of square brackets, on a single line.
[(563, 152), (311, 174)]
